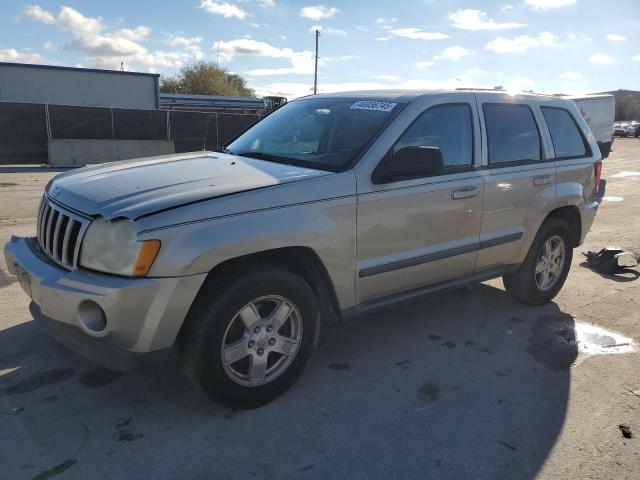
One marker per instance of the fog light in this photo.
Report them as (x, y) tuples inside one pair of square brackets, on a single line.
[(92, 318)]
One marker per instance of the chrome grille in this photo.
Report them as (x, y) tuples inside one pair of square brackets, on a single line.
[(60, 233)]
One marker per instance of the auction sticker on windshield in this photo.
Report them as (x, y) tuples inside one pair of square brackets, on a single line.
[(373, 105)]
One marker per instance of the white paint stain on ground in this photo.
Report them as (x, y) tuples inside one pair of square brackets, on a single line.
[(612, 199), (594, 340), (626, 174)]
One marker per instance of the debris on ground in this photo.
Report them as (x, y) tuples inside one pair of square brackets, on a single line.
[(625, 430), (613, 260)]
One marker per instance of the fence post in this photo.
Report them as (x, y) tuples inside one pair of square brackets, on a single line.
[(46, 116), (113, 134), (168, 127), (217, 133)]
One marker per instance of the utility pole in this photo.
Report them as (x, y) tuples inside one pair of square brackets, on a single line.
[(315, 74), (218, 55)]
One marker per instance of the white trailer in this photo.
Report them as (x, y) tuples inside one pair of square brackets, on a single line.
[(599, 111)]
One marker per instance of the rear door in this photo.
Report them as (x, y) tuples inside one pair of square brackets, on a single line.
[(416, 232), (519, 177)]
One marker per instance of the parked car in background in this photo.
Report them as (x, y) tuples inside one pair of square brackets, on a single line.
[(598, 111), (330, 207), (623, 129)]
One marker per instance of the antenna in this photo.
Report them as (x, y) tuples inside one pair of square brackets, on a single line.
[(315, 73)]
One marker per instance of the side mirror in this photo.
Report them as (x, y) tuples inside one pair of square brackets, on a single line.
[(411, 162)]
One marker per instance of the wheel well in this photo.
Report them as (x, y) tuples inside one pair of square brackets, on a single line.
[(302, 261), (571, 216)]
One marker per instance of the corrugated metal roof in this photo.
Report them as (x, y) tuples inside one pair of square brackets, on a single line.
[(78, 69)]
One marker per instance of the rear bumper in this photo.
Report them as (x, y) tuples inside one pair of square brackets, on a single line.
[(136, 316), (587, 216)]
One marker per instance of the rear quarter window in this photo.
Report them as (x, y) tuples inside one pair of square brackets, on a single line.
[(567, 140), (512, 133)]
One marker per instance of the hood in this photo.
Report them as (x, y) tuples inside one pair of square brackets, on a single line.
[(133, 188)]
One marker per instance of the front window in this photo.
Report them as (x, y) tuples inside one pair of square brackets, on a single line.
[(323, 133)]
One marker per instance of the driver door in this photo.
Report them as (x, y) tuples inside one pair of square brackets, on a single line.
[(422, 231)]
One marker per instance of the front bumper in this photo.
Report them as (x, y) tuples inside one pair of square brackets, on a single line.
[(141, 317)]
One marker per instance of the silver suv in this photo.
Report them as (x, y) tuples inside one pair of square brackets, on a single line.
[(329, 207)]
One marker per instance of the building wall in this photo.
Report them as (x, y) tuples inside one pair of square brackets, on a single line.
[(74, 86)]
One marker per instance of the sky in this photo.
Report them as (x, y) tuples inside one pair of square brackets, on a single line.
[(551, 46)]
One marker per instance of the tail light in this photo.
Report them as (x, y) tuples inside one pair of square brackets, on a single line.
[(597, 173)]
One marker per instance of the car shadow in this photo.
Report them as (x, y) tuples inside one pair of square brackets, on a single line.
[(467, 384)]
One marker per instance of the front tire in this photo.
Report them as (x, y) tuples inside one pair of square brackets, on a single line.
[(248, 341), (546, 266)]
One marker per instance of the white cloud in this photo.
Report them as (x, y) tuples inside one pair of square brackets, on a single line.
[(424, 64), (570, 76), (386, 21), (12, 55), (246, 46), (50, 46), (470, 19), (318, 12), (301, 62), (507, 7), (453, 53), (328, 30), (267, 3), (417, 34), (138, 33), (37, 13), (346, 58), (547, 4), (636, 58), (547, 38), (388, 78), (476, 71), (615, 37), (521, 43), (383, 39), (227, 10), (177, 40), (75, 22), (602, 59), (107, 49)]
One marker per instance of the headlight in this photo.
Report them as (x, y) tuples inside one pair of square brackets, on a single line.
[(113, 247)]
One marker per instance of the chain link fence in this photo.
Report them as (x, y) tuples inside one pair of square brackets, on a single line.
[(25, 128)]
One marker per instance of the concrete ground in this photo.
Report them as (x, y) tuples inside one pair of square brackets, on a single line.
[(468, 384)]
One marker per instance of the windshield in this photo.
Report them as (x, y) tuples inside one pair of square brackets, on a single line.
[(322, 133)]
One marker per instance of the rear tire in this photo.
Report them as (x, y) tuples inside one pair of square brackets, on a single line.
[(237, 332), (546, 266)]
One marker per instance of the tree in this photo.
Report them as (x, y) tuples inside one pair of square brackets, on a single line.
[(205, 78)]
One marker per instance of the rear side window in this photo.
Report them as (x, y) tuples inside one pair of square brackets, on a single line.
[(512, 133), (566, 138), (447, 127)]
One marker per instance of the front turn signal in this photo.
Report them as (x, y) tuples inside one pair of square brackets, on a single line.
[(146, 257)]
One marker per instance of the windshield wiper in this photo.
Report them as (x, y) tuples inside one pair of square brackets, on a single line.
[(224, 150), (266, 156)]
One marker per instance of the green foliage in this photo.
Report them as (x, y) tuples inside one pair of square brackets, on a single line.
[(204, 78), (627, 104)]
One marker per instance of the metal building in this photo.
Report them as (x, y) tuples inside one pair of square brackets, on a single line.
[(28, 83)]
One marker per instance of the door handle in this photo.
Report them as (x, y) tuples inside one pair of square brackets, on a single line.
[(542, 180), (466, 192)]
